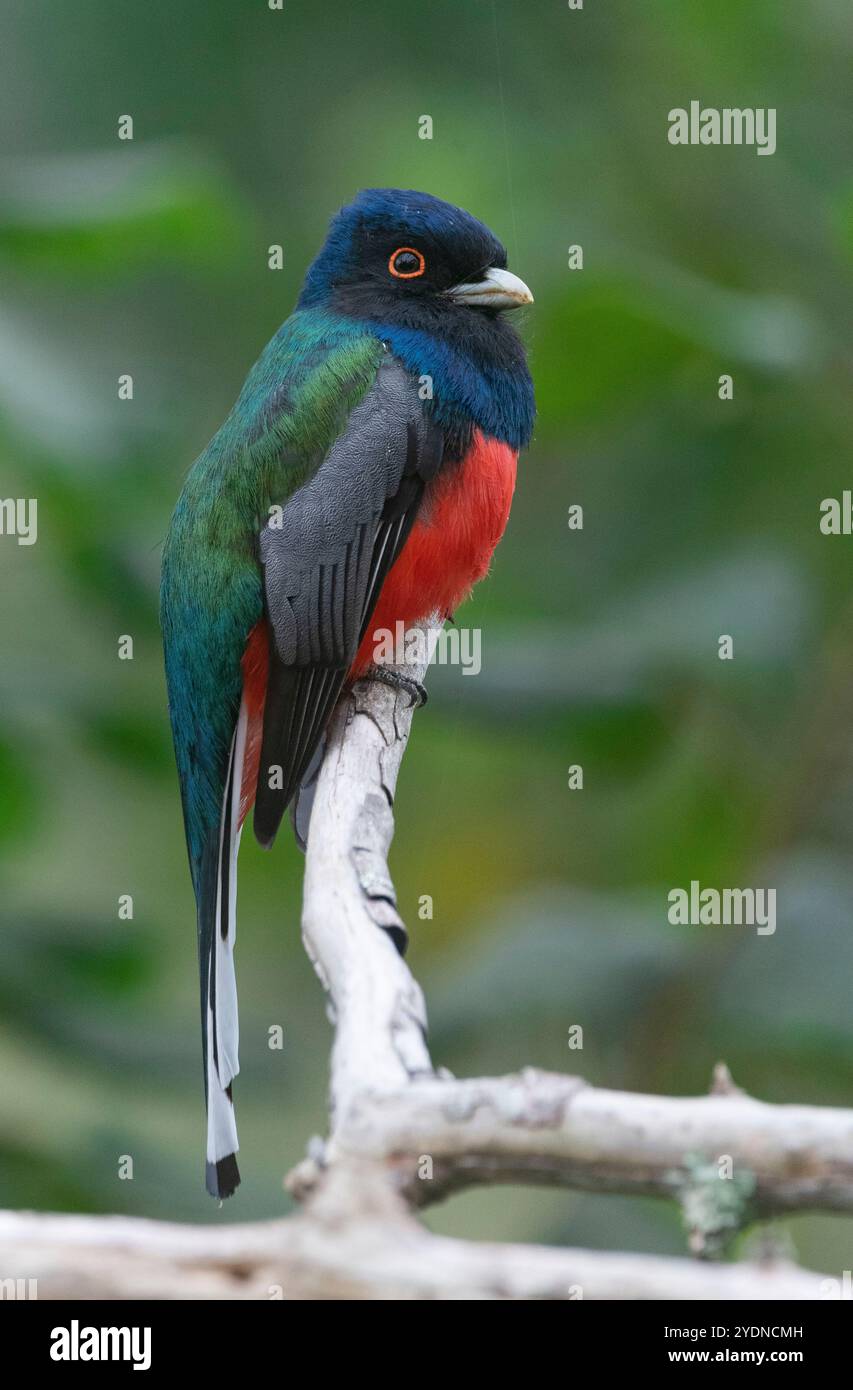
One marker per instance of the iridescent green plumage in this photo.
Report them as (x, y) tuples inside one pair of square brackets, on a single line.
[(294, 403)]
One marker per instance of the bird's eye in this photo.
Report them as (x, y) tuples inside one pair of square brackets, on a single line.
[(406, 263)]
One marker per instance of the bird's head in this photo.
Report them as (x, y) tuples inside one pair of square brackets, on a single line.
[(409, 258)]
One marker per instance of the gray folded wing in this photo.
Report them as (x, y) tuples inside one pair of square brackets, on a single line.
[(325, 558)]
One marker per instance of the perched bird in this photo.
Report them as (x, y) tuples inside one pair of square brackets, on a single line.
[(363, 478)]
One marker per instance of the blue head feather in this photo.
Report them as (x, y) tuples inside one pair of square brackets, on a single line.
[(473, 357), (363, 234)]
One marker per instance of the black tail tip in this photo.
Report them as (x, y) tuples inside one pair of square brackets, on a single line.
[(223, 1178), (266, 820)]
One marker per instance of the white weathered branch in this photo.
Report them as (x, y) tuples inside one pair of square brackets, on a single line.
[(402, 1134), (332, 1254), (388, 1104), (545, 1128), (349, 916)]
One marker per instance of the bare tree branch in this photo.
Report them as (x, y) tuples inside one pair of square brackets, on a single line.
[(329, 1253), (544, 1128), (534, 1127), (378, 1008), (402, 1134)]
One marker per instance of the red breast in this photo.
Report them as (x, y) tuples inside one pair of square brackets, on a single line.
[(463, 516)]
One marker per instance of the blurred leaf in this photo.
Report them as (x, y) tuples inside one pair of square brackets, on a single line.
[(809, 958), (544, 952), (644, 641), (132, 739), (18, 799), (112, 212), (75, 963)]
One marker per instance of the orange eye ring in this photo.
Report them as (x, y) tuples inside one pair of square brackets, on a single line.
[(406, 274)]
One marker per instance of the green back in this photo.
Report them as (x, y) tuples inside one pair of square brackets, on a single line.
[(293, 405)]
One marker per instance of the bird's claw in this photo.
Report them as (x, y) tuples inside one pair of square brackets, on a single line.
[(388, 675)]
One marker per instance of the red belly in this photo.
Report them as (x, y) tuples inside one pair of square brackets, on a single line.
[(449, 549)]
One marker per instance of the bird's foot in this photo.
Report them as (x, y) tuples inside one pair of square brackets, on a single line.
[(388, 675)]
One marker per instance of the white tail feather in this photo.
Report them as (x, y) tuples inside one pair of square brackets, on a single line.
[(222, 1019)]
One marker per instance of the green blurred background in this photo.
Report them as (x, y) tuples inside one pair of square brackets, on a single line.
[(600, 646)]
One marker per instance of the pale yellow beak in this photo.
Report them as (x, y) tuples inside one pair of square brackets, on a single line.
[(498, 289)]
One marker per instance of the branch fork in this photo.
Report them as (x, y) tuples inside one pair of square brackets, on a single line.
[(403, 1134)]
